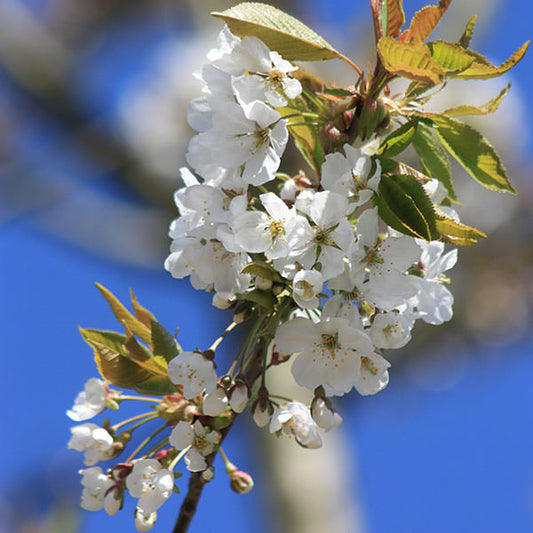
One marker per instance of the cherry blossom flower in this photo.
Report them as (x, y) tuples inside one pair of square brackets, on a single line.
[(373, 375), (97, 491), (215, 403), (330, 352), (202, 442), (349, 174), (90, 401), (93, 440), (194, 372), (390, 330), (295, 419), (306, 286), (151, 483)]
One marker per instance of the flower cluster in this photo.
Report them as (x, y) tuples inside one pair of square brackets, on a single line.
[(326, 269), (352, 285)]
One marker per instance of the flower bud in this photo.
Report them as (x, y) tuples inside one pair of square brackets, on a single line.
[(121, 471), (262, 411), (242, 312), (263, 284), (215, 403), (241, 482), (322, 414), (113, 501), (224, 300), (239, 397), (208, 474), (279, 357), (144, 522)]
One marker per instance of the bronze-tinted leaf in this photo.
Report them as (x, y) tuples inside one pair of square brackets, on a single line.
[(278, 30), (482, 69), (485, 109), (425, 21), (412, 61), (465, 39), (124, 316)]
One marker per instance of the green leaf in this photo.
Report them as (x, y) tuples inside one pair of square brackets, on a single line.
[(465, 39), (476, 155), (124, 316), (425, 21), (387, 165), (406, 199), (279, 31), (398, 140), (163, 342), (485, 109), (456, 232), (263, 298), (390, 218), (141, 313), (451, 57), (388, 17), (110, 361), (336, 91), (111, 339), (142, 356), (433, 157), (482, 69), (412, 61), (157, 386), (263, 270)]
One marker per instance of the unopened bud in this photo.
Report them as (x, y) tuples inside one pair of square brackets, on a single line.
[(322, 414), (121, 471), (279, 357), (224, 300), (161, 455), (262, 411), (241, 482), (144, 522), (242, 312), (215, 403), (113, 501), (208, 474), (277, 289), (239, 397), (263, 284)]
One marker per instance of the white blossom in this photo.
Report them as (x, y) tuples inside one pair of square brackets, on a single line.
[(93, 440), (215, 403), (194, 372), (330, 352), (322, 414), (306, 286), (97, 493), (239, 398), (261, 414), (373, 375), (274, 233), (255, 140), (144, 521), (326, 244), (433, 301), (390, 330), (349, 174), (90, 401), (295, 419), (202, 442), (151, 483)]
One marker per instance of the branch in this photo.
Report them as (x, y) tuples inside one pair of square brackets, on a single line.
[(196, 484)]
